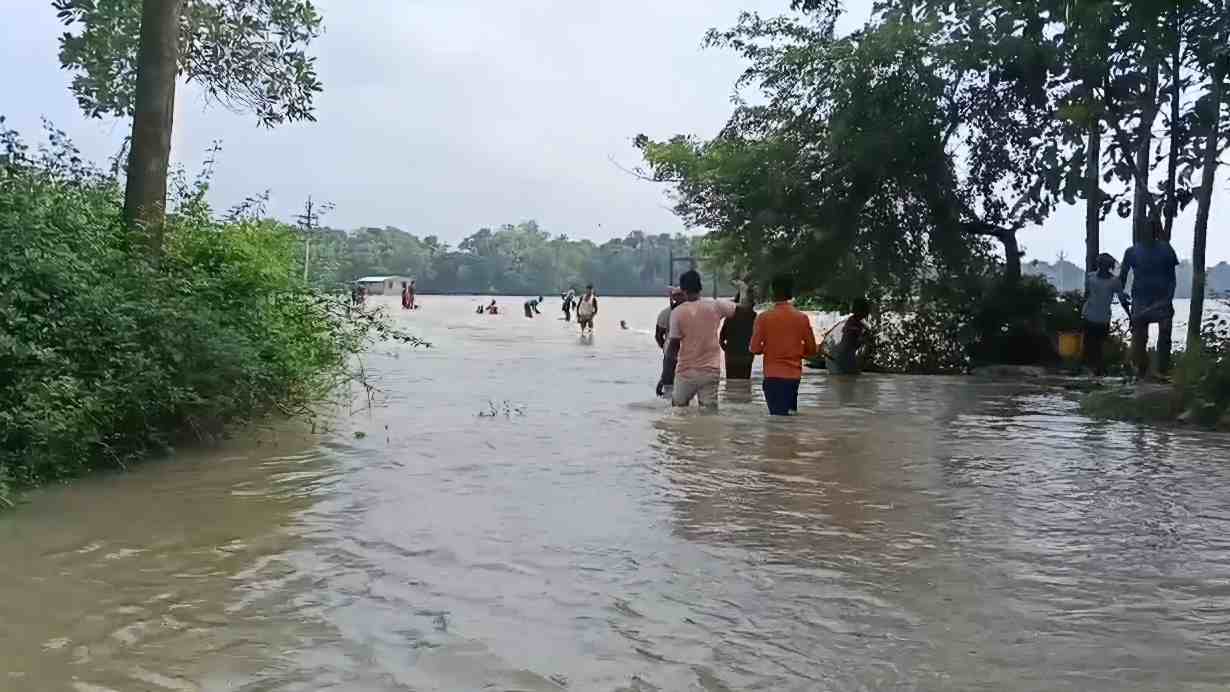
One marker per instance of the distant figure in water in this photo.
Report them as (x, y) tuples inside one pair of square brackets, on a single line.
[(784, 336), (693, 353), (842, 359), (569, 298), (623, 324), (666, 383), (735, 339), (492, 309), (407, 297), (531, 307), (587, 310)]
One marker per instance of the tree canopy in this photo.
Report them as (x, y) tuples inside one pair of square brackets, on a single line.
[(883, 161), (246, 54)]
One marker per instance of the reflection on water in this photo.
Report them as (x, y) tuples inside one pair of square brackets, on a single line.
[(901, 533)]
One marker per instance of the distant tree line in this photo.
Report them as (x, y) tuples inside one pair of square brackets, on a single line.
[(520, 259)]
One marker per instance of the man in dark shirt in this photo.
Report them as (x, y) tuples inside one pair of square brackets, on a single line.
[(1152, 266), (735, 338)]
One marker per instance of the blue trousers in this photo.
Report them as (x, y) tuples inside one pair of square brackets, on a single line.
[(781, 395)]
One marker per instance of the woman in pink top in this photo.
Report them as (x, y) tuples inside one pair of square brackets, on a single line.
[(694, 352)]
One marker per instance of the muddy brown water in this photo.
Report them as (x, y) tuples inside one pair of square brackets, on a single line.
[(902, 533)]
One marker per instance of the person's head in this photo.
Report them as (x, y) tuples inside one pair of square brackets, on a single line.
[(782, 286), (862, 308), (411, 282), (676, 296), (1105, 263), (540, 299), (690, 284), (589, 289)]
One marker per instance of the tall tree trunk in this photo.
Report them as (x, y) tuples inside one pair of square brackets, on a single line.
[(1171, 204), (1205, 201), (1093, 196), (1144, 138), (1012, 257), (145, 196)]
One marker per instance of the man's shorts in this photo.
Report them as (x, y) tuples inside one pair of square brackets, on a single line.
[(704, 389)]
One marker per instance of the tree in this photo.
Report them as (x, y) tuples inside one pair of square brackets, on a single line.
[(153, 114), (1213, 59), (127, 54)]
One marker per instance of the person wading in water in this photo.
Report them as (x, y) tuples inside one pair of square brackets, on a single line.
[(693, 353), (735, 339), (587, 310), (784, 336), (666, 383)]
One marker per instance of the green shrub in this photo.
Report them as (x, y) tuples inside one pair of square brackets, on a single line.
[(1202, 376), (106, 357), (928, 339), (1014, 324)]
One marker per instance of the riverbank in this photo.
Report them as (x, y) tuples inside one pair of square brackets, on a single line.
[(1153, 404)]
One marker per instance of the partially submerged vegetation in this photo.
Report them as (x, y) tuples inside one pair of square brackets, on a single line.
[(1199, 393), (108, 355)]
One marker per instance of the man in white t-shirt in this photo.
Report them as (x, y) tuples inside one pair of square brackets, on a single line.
[(694, 353)]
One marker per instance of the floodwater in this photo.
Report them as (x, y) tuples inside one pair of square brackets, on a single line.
[(516, 512)]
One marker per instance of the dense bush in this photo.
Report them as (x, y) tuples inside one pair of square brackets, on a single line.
[(1015, 323), (107, 357), (1202, 377), (928, 339), (952, 331)]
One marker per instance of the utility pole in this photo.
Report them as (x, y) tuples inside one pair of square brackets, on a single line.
[(309, 220)]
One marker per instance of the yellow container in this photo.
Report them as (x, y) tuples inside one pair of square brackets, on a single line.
[(1070, 345)]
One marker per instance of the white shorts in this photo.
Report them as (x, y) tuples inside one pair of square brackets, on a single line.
[(703, 388)]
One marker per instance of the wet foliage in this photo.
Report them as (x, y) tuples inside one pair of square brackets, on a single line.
[(1203, 377), (106, 358)]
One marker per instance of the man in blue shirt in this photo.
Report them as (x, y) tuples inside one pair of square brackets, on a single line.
[(1152, 266)]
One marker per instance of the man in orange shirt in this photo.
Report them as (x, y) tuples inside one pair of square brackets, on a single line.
[(784, 337)]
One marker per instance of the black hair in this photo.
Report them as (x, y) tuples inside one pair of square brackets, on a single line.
[(861, 306), (783, 287), (690, 282)]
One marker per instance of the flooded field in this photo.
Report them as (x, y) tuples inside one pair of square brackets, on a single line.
[(517, 512)]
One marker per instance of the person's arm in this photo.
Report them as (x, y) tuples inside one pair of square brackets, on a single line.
[(659, 335), (728, 308), (595, 307), (724, 334), (1123, 298), (758, 341), (1129, 259), (810, 349)]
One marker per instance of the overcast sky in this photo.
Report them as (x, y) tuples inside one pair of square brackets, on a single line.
[(443, 116)]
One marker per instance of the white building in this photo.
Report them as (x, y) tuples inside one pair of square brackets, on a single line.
[(383, 285)]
